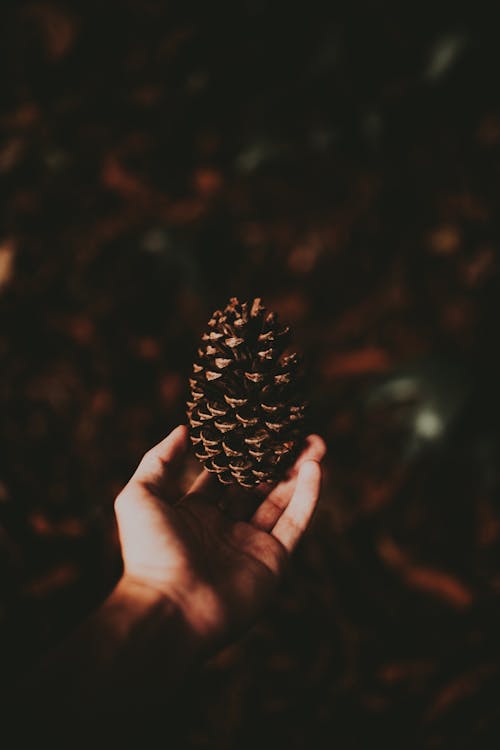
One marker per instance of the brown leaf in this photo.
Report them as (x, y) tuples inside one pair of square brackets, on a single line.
[(370, 359), (7, 254), (437, 583)]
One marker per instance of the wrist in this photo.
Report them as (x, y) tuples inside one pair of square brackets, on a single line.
[(142, 599), (143, 606), (196, 610)]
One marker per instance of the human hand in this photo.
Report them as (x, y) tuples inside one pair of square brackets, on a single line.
[(217, 570)]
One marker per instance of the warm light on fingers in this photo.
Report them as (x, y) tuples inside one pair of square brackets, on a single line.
[(297, 515), (314, 450), (155, 462), (272, 506)]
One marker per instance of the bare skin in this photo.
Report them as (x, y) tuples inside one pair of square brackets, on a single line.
[(194, 577), (219, 571)]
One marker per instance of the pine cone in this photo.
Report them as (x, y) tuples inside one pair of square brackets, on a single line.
[(245, 412)]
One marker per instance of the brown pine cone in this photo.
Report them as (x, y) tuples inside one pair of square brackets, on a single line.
[(246, 413)]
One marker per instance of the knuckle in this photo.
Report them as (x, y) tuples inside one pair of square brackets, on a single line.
[(291, 525), (152, 463), (147, 459)]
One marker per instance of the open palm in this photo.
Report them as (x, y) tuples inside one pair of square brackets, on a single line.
[(217, 568)]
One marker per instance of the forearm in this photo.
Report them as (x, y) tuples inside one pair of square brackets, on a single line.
[(122, 662)]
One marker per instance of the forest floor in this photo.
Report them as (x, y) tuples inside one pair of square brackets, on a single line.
[(156, 161)]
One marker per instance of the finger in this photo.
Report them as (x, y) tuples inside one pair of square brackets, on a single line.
[(314, 450), (267, 514), (295, 518), (204, 484), (161, 460)]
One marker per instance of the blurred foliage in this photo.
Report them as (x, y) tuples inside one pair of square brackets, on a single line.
[(157, 158)]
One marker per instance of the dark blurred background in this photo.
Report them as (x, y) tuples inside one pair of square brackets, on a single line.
[(157, 158)]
